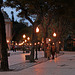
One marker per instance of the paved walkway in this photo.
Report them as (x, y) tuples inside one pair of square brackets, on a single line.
[(17, 60), (62, 65), (19, 57)]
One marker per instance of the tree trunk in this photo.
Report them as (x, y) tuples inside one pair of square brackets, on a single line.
[(32, 50), (45, 36), (4, 59)]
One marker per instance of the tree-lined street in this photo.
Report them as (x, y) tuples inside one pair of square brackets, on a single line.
[(52, 31)]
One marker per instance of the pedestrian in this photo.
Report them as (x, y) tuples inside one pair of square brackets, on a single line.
[(13, 48), (38, 47), (53, 51), (56, 52), (48, 51)]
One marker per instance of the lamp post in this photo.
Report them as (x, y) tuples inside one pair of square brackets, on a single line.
[(37, 31), (49, 41), (8, 42), (24, 36), (59, 45), (54, 35), (28, 38)]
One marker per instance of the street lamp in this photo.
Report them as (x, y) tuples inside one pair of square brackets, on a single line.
[(59, 42), (24, 36), (8, 42), (25, 41), (59, 45), (28, 38), (37, 31), (54, 34), (49, 40)]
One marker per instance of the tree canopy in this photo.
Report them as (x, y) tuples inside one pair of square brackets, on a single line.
[(61, 11)]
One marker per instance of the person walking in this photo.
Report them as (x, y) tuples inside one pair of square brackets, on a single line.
[(48, 51), (53, 51), (13, 47)]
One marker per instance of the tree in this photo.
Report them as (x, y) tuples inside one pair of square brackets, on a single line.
[(19, 29), (4, 58), (42, 8)]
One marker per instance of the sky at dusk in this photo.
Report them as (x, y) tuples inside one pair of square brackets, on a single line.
[(8, 11)]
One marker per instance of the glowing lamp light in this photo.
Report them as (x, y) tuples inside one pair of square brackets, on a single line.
[(38, 42), (53, 43), (7, 41), (24, 36), (49, 39), (37, 30), (59, 42), (30, 44), (28, 38), (16, 43), (54, 34), (34, 43), (25, 40)]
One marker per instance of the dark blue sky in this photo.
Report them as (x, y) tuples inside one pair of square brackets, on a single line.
[(8, 11)]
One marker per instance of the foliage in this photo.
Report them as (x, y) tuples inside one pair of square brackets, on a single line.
[(56, 14), (19, 29)]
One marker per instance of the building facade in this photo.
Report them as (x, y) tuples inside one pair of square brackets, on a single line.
[(8, 28)]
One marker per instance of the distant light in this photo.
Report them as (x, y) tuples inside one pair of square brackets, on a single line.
[(38, 42), (53, 43), (24, 36), (7, 41), (34, 43), (12, 41), (16, 43), (49, 39), (54, 34), (25, 40), (30, 44), (59, 42), (28, 38), (37, 30)]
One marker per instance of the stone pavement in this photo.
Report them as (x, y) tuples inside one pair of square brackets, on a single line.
[(17, 60), (62, 65), (19, 57)]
